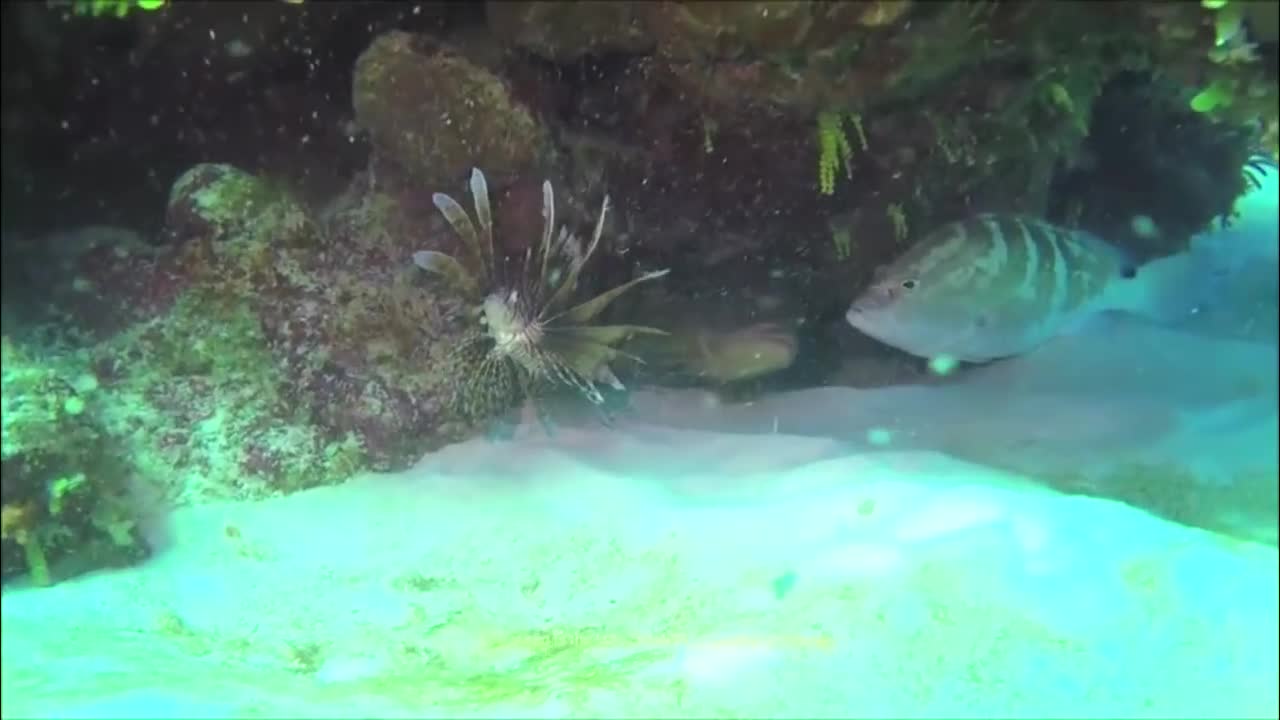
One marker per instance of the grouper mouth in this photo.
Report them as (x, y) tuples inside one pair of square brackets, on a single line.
[(938, 341), (854, 314), (860, 315), (876, 297)]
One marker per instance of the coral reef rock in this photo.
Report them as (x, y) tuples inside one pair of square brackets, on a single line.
[(67, 508), (432, 114), (565, 31)]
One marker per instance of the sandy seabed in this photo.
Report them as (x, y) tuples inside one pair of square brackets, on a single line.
[(905, 552)]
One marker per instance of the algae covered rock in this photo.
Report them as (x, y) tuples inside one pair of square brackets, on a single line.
[(565, 31), (432, 114), (190, 389), (196, 394), (216, 202), (798, 56), (222, 228), (197, 399), (295, 354), (65, 501), (363, 343), (228, 225)]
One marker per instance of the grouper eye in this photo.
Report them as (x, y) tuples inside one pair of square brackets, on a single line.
[(908, 284)]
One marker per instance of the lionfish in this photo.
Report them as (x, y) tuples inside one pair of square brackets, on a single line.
[(532, 333), (1256, 168)]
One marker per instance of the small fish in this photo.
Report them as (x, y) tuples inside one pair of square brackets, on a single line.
[(997, 285), (735, 355), (718, 355)]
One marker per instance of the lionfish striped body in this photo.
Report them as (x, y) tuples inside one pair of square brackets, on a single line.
[(532, 332)]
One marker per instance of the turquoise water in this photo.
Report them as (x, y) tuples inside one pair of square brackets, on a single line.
[(774, 520)]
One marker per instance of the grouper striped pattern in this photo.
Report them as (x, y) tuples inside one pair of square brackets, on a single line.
[(993, 286), (1030, 269)]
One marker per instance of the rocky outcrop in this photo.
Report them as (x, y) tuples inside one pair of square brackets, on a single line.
[(432, 114)]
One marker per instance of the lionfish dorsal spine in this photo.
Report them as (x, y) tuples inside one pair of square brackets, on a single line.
[(447, 267), (461, 224), (599, 232), (484, 216), (571, 279), (567, 245), (548, 232)]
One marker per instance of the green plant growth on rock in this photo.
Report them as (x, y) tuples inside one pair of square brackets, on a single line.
[(230, 209), (1238, 87), (66, 503), (1213, 47), (1151, 156), (998, 139), (115, 8), (834, 149), (1241, 96)]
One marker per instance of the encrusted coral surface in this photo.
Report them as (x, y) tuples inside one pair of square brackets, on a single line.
[(434, 114), (66, 484)]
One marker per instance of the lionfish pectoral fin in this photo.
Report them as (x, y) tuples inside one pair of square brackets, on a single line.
[(584, 349), (587, 311), (605, 375), (1256, 168), (579, 356), (571, 377), (447, 267), (577, 361), (602, 334), (545, 419), (461, 224)]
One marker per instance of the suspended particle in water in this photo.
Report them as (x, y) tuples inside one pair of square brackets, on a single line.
[(783, 584), (879, 436), (943, 365), (1144, 227)]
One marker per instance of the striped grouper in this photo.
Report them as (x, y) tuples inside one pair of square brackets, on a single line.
[(995, 285)]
